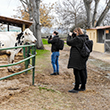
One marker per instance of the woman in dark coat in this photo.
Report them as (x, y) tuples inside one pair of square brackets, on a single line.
[(76, 61)]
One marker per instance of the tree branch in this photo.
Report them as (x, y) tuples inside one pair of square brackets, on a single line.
[(23, 4), (102, 16), (95, 12)]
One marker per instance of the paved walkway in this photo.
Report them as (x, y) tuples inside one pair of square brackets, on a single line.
[(101, 56)]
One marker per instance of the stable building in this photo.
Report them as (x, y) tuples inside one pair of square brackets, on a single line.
[(101, 38), (15, 22)]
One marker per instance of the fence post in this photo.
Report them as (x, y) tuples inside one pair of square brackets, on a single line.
[(24, 54), (33, 63), (28, 55)]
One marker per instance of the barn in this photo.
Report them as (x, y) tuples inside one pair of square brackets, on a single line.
[(101, 38), (15, 22)]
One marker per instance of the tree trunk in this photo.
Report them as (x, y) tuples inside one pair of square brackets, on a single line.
[(103, 14), (87, 4), (36, 19), (95, 13), (33, 6), (31, 15)]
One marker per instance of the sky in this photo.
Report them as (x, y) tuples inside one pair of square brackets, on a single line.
[(7, 6)]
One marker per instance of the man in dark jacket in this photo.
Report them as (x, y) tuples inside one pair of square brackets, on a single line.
[(55, 52)]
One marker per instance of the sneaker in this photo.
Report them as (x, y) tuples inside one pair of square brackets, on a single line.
[(53, 74), (73, 91)]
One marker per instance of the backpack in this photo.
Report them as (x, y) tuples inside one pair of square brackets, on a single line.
[(60, 44), (89, 44), (87, 48)]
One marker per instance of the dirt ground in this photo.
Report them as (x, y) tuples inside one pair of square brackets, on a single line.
[(51, 92)]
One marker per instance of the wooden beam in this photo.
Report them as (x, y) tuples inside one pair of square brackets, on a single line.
[(8, 27), (23, 27), (15, 22), (104, 40)]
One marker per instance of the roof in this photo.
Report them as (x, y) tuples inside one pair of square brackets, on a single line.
[(15, 22), (102, 27), (99, 27)]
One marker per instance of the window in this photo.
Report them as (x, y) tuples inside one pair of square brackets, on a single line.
[(100, 36), (107, 34)]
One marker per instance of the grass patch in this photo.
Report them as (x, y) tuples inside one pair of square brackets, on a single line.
[(41, 53), (44, 88), (42, 58), (45, 41)]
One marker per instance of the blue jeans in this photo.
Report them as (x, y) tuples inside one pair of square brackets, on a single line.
[(54, 61)]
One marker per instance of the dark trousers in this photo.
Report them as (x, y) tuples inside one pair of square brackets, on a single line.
[(80, 78)]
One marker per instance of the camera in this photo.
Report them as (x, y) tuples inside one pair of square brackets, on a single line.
[(49, 37), (73, 34)]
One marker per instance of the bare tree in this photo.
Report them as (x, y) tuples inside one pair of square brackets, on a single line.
[(81, 13), (87, 4), (106, 21), (102, 16), (32, 7), (70, 12), (95, 22), (95, 12), (37, 28)]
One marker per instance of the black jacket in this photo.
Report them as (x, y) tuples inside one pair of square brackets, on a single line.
[(76, 60), (54, 42)]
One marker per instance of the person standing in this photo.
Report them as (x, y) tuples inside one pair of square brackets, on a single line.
[(55, 52), (76, 61)]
